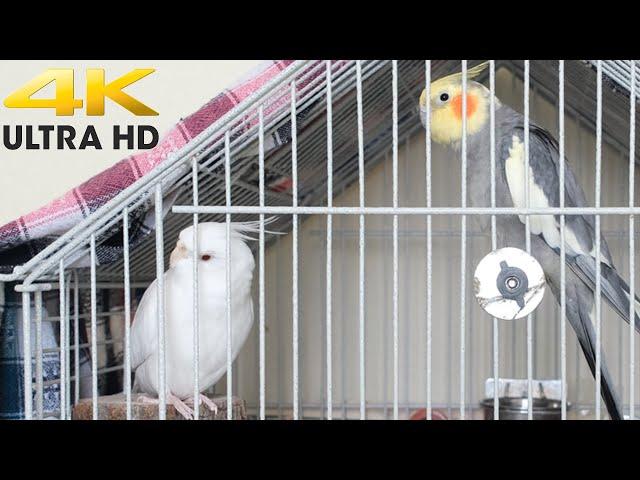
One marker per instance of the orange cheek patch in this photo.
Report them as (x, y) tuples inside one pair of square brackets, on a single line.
[(472, 105)]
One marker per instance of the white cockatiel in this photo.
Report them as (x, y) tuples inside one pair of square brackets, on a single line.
[(178, 284)]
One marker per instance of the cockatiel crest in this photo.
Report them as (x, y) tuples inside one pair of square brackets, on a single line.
[(211, 239), (446, 106)]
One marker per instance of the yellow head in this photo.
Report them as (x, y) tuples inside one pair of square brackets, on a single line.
[(447, 106)]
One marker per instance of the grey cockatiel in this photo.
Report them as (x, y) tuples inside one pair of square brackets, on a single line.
[(446, 128)]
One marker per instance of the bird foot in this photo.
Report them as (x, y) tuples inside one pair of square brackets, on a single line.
[(181, 407), (210, 404)]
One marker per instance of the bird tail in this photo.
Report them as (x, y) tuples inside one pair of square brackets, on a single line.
[(614, 279), (614, 289), (586, 337)]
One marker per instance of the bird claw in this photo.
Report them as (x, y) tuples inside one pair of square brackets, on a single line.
[(210, 404), (181, 407)]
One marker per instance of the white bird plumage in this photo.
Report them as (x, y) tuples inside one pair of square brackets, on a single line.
[(179, 320)]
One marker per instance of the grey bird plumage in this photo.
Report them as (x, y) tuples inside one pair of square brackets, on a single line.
[(545, 229), (580, 276)]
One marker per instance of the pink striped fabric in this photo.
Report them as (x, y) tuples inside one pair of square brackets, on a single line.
[(32, 232)]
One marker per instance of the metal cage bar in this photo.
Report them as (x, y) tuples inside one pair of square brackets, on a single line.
[(26, 348), (394, 67), (527, 237), (261, 299), (127, 313), (305, 210), (329, 310), (39, 357), (196, 300), (563, 274), (428, 195), (294, 279), (63, 342), (160, 305), (597, 239), (632, 237), (227, 259), (361, 252), (494, 238), (94, 337), (76, 335), (67, 342), (463, 240)]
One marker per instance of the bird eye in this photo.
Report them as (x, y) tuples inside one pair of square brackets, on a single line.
[(206, 257), (444, 97)]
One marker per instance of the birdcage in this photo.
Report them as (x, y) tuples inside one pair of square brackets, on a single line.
[(364, 305)]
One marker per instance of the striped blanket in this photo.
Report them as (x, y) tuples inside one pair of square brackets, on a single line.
[(26, 236)]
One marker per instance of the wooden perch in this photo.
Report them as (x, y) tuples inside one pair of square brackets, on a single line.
[(114, 407)]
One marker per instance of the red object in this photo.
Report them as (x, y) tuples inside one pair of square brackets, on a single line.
[(421, 414), (282, 184)]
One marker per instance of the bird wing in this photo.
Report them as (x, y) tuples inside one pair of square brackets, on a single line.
[(144, 332), (579, 229)]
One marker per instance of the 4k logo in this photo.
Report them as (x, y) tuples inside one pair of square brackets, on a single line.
[(65, 102)]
